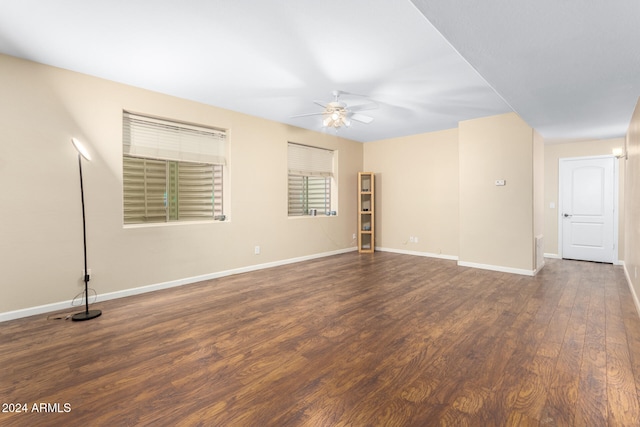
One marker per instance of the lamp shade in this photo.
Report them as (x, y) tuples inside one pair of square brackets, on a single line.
[(81, 149)]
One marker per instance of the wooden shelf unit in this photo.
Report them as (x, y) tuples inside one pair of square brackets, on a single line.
[(366, 214)]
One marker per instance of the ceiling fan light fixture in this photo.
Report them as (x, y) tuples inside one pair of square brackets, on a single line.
[(336, 119), (337, 114)]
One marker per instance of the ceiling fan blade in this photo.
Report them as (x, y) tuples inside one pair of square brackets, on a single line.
[(343, 92), (361, 118), (308, 114), (340, 107), (364, 107)]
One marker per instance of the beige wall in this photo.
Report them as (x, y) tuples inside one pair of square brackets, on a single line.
[(538, 197), (40, 227), (553, 153), (497, 222), (417, 192), (632, 205), (440, 188)]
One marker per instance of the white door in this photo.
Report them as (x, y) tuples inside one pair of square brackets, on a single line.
[(587, 214)]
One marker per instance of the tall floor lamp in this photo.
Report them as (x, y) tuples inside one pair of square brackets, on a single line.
[(86, 314)]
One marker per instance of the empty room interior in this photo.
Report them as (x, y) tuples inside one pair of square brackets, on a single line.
[(361, 213)]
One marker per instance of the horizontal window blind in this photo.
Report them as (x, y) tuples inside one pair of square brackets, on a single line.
[(195, 191), (310, 176), (319, 193), (145, 187), (298, 205), (163, 139), (161, 191), (309, 192), (309, 161), (217, 192)]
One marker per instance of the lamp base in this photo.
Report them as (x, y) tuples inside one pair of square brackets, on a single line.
[(86, 315)]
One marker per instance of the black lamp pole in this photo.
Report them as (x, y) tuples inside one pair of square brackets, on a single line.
[(86, 314)]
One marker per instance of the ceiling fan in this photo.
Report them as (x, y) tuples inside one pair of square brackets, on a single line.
[(337, 113)]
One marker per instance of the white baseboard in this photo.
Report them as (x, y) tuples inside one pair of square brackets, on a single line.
[(537, 270), (630, 284), (67, 305), (499, 268), (462, 263), (40, 309), (416, 253)]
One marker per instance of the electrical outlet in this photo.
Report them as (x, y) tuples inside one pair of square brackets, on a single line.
[(415, 239), (354, 235), (256, 250)]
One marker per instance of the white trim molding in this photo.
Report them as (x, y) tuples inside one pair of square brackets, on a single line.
[(68, 306), (630, 284), (499, 268), (417, 253)]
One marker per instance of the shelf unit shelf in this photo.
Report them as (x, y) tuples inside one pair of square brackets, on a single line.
[(366, 214)]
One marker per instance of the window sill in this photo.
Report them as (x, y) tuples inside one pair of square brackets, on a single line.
[(172, 224), (311, 216)]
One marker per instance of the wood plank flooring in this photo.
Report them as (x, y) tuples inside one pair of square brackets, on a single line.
[(349, 340)]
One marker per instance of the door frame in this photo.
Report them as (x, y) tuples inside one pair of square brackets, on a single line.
[(616, 202)]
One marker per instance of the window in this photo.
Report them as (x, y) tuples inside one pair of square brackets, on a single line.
[(171, 171), (311, 180)]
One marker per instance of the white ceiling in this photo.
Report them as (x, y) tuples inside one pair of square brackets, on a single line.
[(570, 68)]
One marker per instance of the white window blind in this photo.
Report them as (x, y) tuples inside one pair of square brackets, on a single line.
[(309, 161), (307, 193), (145, 187), (166, 140), (310, 178), (161, 191), (171, 171)]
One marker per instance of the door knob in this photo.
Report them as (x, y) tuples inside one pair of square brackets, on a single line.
[(567, 215)]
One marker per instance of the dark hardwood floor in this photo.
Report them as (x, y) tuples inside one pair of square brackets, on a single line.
[(348, 340)]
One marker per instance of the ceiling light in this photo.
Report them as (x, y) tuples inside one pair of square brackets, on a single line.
[(620, 153), (336, 117), (81, 149)]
